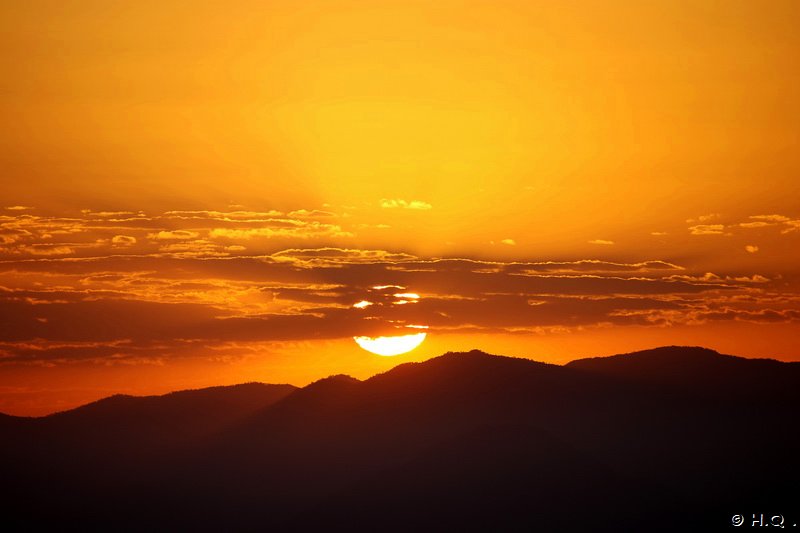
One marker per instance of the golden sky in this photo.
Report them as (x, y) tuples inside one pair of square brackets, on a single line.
[(196, 193)]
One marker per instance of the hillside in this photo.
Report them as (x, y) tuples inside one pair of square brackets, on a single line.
[(641, 441)]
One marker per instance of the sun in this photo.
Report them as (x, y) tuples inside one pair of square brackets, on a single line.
[(394, 345)]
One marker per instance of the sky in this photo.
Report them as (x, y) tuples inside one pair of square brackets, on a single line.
[(200, 193)]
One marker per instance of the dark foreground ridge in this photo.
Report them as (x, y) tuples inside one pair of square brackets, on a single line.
[(671, 439)]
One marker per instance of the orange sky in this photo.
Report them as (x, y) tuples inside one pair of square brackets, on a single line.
[(196, 193)]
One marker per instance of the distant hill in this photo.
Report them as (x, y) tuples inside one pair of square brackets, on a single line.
[(648, 441), (694, 367), (184, 414)]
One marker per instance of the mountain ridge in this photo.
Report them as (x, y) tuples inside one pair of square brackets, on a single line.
[(460, 440)]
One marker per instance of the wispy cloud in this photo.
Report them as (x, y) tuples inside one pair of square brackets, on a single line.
[(337, 256), (782, 223), (403, 204), (180, 235), (123, 240), (282, 229), (704, 218), (47, 250), (246, 216), (180, 232), (771, 218), (707, 229)]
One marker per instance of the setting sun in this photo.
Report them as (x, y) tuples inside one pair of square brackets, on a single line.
[(388, 346)]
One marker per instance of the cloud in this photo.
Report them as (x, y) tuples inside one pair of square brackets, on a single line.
[(123, 240), (124, 286), (707, 229), (759, 224), (751, 248), (782, 222), (755, 278), (704, 218), (509, 242), (771, 218), (242, 216), (98, 233), (372, 226), (313, 213), (33, 228), (18, 208), (10, 235), (173, 235), (111, 214), (199, 247), (157, 308), (601, 242), (403, 204), (743, 315), (591, 266), (337, 256), (791, 226), (47, 250), (282, 229)]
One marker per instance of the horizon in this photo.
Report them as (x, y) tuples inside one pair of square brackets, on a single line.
[(199, 195), (399, 363)]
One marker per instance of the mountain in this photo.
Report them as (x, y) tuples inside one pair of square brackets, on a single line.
[(695, 368), (652, 440), (177, 416)]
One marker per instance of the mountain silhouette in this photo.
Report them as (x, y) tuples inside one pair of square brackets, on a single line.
[(694, 368), (676, 438), (174, 416)]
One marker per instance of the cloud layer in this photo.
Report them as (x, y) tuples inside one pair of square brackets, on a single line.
[(124, 287)]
